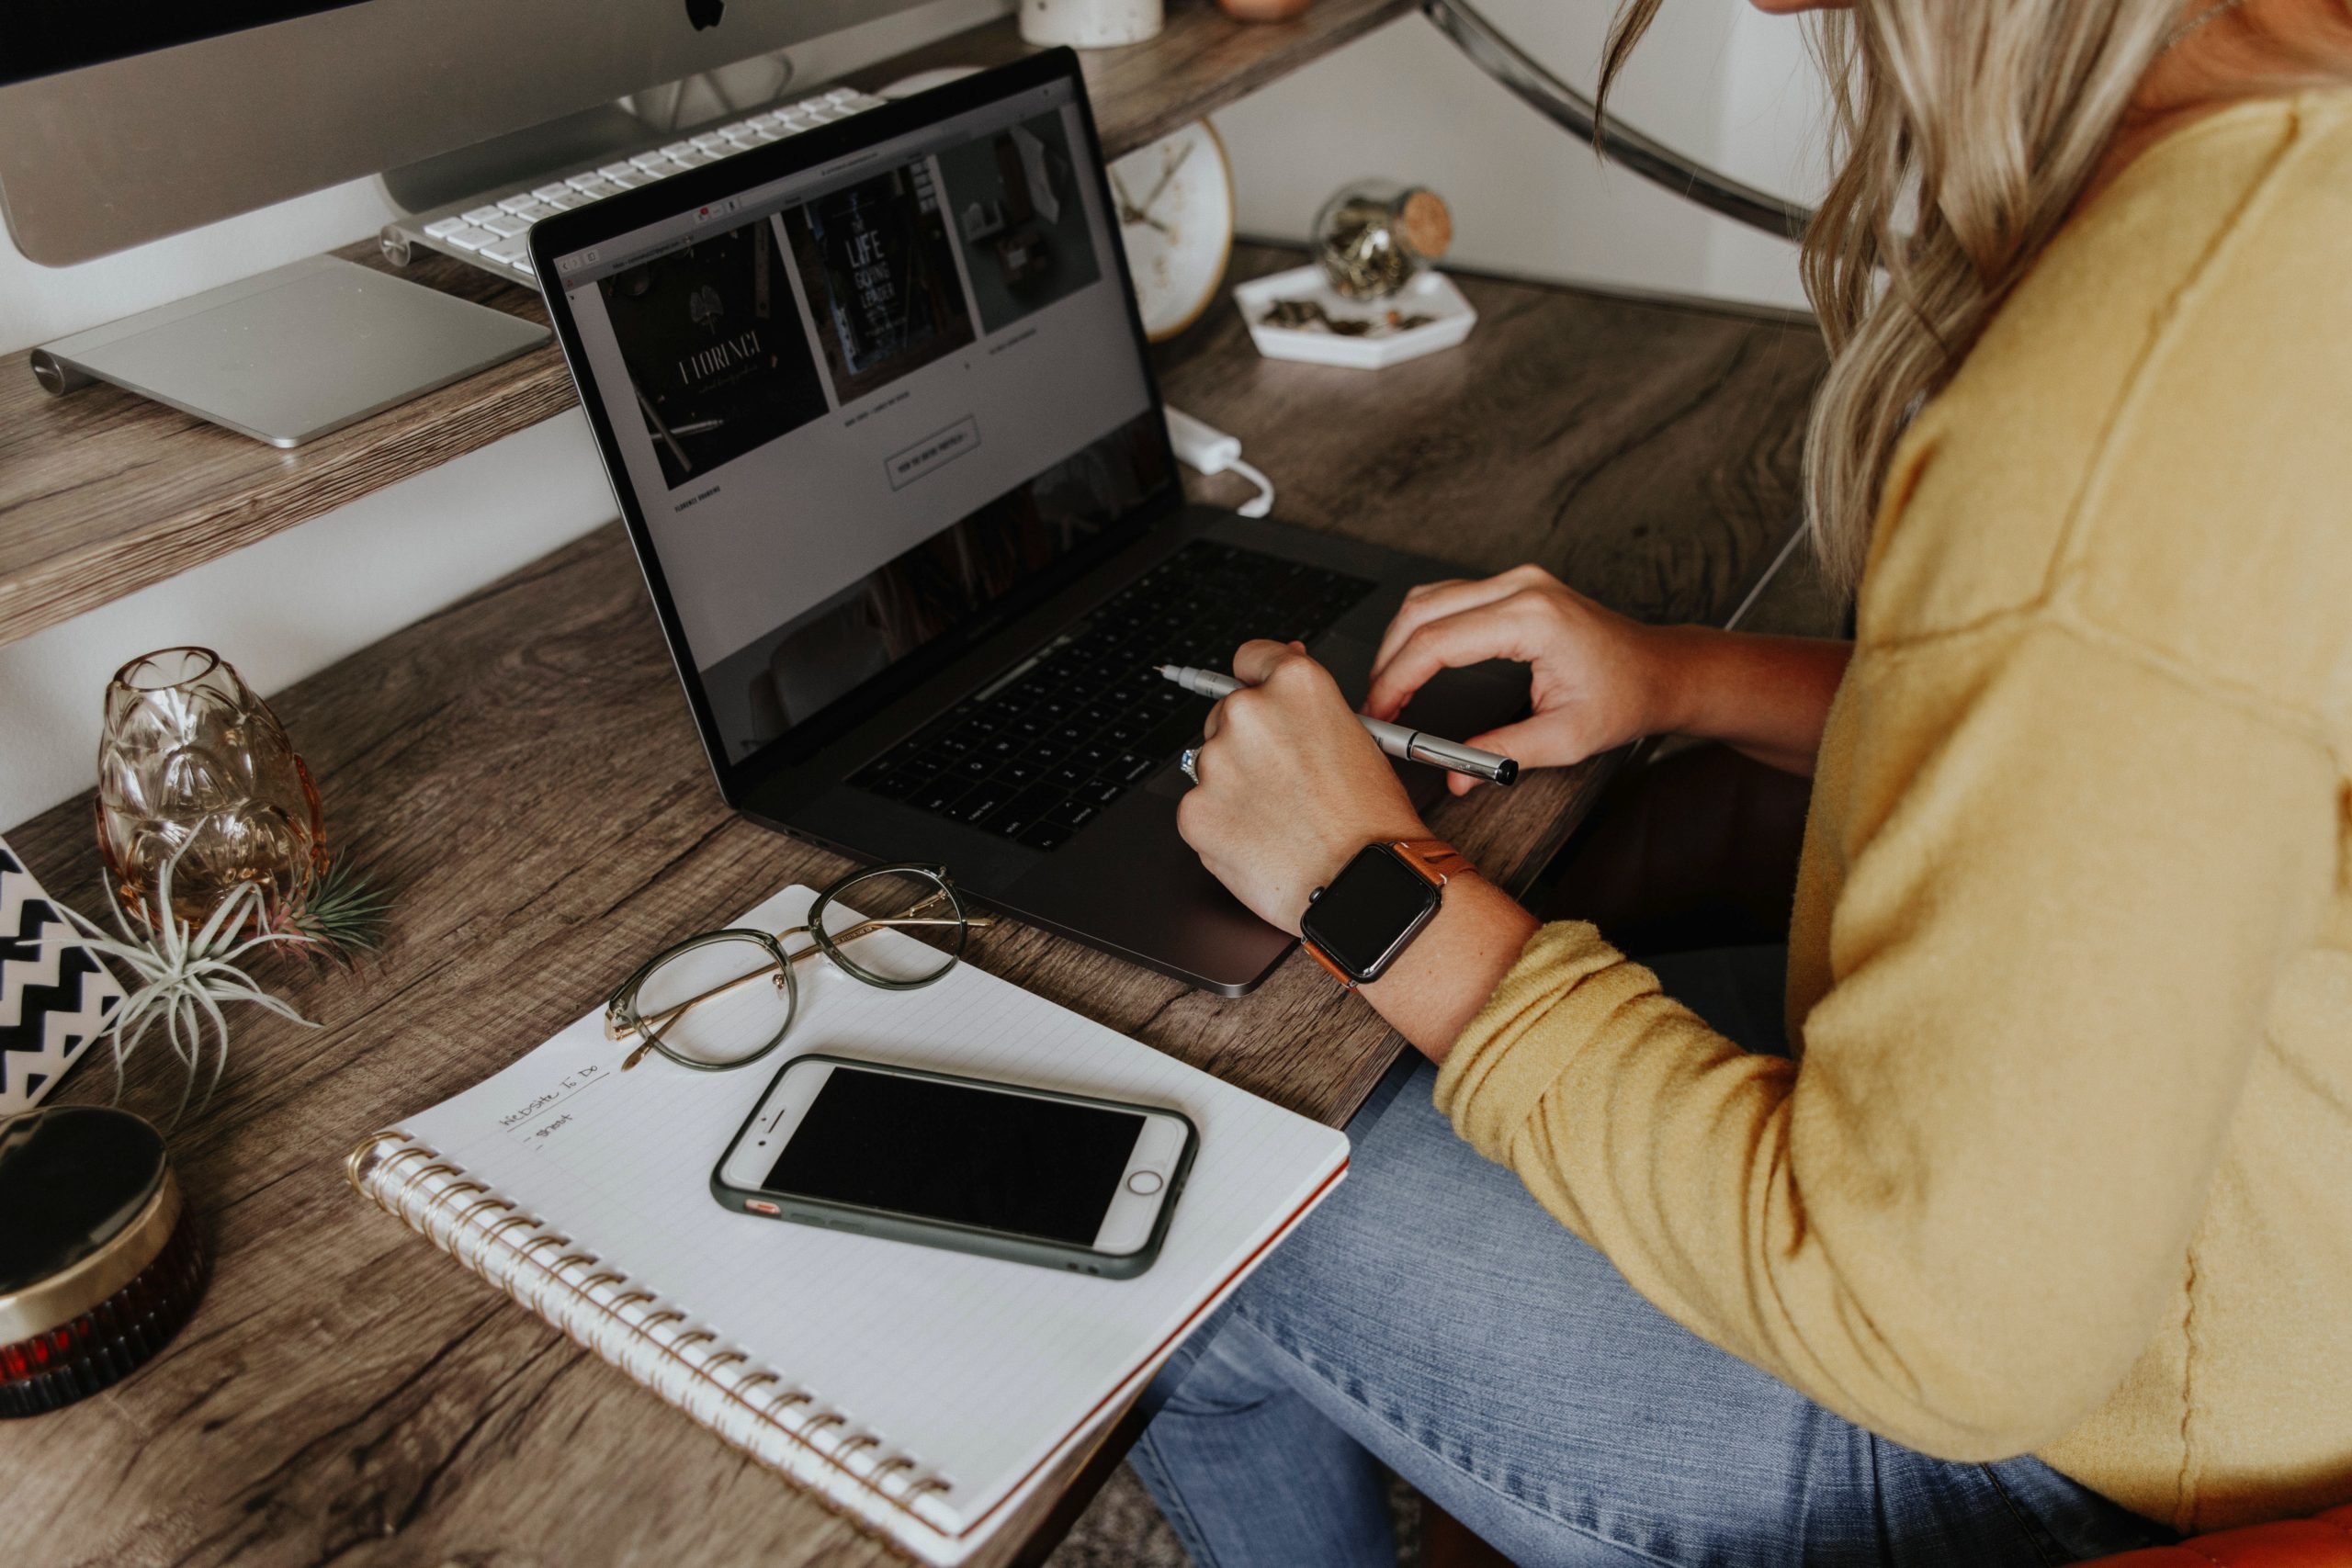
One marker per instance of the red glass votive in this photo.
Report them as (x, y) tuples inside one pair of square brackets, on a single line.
[(101, 1259)]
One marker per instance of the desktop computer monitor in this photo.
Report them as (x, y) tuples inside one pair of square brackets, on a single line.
[(121, 124)]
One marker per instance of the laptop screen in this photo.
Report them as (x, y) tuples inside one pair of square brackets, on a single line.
[(859, 404)]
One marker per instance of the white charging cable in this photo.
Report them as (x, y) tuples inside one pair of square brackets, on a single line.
[(1212, 451)]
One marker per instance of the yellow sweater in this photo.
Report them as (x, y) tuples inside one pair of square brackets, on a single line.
[(2066, 1164)]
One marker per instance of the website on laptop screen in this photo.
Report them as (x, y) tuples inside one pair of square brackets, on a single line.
[(859, 404)]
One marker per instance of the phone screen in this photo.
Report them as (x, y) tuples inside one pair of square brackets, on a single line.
[(1005, 1162)]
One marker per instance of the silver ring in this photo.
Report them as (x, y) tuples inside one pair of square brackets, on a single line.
[(1185, 764)]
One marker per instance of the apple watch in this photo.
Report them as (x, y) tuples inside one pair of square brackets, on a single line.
[(1356, 925)]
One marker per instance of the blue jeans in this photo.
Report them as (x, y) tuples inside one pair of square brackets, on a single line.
[(1432, 1319)]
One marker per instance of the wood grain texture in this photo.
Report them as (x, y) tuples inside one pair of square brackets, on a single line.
[(521, 771), (103, 492)]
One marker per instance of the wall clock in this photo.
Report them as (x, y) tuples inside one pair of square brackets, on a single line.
[(1174, 203)]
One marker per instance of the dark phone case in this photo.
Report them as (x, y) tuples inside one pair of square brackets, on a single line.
[(953, 1237)]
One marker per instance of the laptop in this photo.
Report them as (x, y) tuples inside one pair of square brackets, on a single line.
[(875, 406)]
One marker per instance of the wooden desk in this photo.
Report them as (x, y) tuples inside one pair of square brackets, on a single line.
[(521, 771)]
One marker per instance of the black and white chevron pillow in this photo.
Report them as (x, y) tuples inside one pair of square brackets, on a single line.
[(54, 994)]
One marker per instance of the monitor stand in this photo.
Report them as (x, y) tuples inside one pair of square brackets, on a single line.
[(601, 133), (286, 356), (516, 160)]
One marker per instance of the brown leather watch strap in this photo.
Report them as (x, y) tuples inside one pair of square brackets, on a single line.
[(1434, 858), (1330, 968)]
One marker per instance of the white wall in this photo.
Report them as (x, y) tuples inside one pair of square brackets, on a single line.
[(1714, 78)]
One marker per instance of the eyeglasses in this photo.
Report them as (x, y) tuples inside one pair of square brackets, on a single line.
[(699, 1002)]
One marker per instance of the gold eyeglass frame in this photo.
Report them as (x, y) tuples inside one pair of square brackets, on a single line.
[(623, 1022)]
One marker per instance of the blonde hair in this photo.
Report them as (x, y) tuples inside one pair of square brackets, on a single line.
[(1963, 134)]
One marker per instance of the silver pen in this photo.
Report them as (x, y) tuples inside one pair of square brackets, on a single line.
[(1412, 745)]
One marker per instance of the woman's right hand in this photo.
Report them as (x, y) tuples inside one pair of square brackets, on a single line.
[(1598, 678)]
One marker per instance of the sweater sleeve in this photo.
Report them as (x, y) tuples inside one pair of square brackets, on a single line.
[(2071, 875)]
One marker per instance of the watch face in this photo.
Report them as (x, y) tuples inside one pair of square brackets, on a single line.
[(1369, 911)]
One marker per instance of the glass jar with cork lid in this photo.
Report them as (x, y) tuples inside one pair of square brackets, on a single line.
[(1373, 236)]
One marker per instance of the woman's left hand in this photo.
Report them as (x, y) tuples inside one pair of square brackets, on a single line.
[(1291, 786)]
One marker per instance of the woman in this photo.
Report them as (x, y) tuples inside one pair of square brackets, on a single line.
[(2060, 1164)]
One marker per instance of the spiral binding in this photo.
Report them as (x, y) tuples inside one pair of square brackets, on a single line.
[(563, 1289)]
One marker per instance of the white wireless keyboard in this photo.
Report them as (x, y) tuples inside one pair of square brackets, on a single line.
[(492, 230)]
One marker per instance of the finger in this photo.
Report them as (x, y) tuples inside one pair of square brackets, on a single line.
[(1438, 585), (1190, 825), (1257, 660), (1554, 739), (1439, 600), (1471, 637), (1548, 740), (1420, 608)]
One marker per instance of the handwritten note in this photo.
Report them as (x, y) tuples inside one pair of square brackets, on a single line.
[(531, 1119)]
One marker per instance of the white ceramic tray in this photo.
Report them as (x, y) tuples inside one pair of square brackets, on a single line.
[(1430, 294)]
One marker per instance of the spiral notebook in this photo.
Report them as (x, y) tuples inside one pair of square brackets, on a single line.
[(923, 1392)]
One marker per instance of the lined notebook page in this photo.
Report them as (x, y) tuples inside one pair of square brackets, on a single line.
[(976, 1369)]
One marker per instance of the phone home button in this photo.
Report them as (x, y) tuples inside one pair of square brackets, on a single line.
[(1144, 1183)]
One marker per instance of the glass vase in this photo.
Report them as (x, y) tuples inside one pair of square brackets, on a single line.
[(192, 764)]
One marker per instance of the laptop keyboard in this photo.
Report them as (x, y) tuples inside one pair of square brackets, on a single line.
[(1039, 755)]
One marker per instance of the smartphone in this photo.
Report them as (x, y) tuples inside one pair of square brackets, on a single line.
[(1021, 1174)]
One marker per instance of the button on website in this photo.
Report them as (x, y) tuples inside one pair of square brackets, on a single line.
[(932, 452)]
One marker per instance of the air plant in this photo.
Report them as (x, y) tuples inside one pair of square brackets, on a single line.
[(339, 916), (186, 976)]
